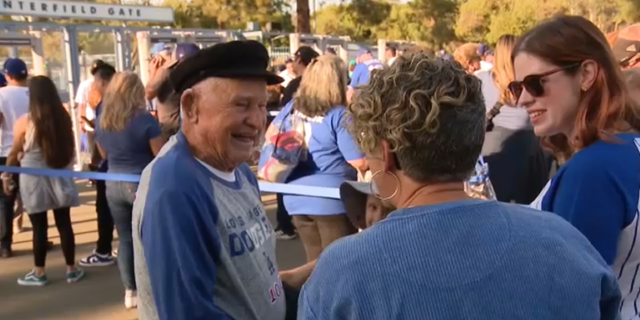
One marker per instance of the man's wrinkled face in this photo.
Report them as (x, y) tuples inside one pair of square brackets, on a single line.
[(226, 118)]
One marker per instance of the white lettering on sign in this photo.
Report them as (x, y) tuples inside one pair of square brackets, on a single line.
[(208, 39), (84, 10)]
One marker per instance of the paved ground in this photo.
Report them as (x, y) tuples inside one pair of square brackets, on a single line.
[(100, 295)]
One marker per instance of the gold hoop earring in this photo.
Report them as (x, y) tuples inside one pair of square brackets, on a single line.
[(395, 192)]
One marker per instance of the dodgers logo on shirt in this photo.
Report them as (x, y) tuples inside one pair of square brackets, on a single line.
[(255, 231)]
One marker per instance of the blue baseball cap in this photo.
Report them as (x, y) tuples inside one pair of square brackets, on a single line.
[(15, 67), (3, 81), (363, 52), (160, 47), (185, 50), (483, 49)]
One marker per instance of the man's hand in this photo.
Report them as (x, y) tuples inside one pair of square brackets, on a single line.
[(8, 185), (154, 64), (158, 62), (293, 278)]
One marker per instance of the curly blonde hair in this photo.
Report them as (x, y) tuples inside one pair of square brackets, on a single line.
[(430, 111)]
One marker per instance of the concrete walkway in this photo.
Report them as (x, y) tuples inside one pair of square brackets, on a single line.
[(100, 295)]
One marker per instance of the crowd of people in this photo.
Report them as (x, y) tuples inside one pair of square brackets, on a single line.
[(494, 183)]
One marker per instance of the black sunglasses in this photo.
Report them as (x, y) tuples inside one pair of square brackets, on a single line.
[(533, 83)]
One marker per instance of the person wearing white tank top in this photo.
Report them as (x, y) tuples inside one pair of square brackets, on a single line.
[(44, 138)]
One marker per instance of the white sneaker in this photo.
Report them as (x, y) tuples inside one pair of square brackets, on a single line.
[(130, 299)]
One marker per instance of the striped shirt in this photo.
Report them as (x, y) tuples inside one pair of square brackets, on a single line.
[(598, 191)]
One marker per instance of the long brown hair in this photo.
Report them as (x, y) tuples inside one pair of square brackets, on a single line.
[(52, 123), (605, 107), (122, 100)]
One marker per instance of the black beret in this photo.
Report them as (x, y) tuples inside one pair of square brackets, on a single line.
[(235, 59)]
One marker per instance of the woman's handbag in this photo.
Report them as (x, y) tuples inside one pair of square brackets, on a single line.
[(284, 147)]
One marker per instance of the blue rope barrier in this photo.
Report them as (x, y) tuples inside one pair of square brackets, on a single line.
[(267, 187)]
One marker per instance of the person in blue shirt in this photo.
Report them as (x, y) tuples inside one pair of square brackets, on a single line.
[(333, 156), (576, 98), (204, 247), (362, 73), (128, 137), (160, 91), (442, 254), (102, 255)]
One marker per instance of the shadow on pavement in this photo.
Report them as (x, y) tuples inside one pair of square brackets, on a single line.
[(100, 295)]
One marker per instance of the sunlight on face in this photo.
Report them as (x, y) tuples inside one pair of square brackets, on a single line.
[(231, 117), (556, 109)]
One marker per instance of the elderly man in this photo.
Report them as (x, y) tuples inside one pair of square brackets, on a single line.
[(204, 248)]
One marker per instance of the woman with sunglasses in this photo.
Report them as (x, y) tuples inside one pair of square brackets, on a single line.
[(575, 95), (510, 147)]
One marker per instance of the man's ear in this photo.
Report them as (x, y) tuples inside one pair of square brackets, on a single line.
[(188, 105)]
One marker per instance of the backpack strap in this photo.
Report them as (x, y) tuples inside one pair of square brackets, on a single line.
[(492, 114)]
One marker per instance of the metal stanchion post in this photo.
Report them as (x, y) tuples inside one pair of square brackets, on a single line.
[(70, 41)]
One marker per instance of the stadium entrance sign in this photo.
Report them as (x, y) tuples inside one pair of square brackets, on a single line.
[(84, 10)]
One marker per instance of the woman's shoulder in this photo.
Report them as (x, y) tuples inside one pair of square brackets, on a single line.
[(613, 159), (623, 148), (144, 116), (337, 111)]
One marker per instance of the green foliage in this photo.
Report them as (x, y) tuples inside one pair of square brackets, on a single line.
[(358, 19), (425, 21), (629, 10), (487, 20)]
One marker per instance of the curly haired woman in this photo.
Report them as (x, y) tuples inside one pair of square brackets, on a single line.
[(441, 254)]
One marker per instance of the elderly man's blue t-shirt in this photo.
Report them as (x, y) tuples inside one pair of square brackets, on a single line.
[(129, 151), (597, 191), (362, 72), (330, 147)]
